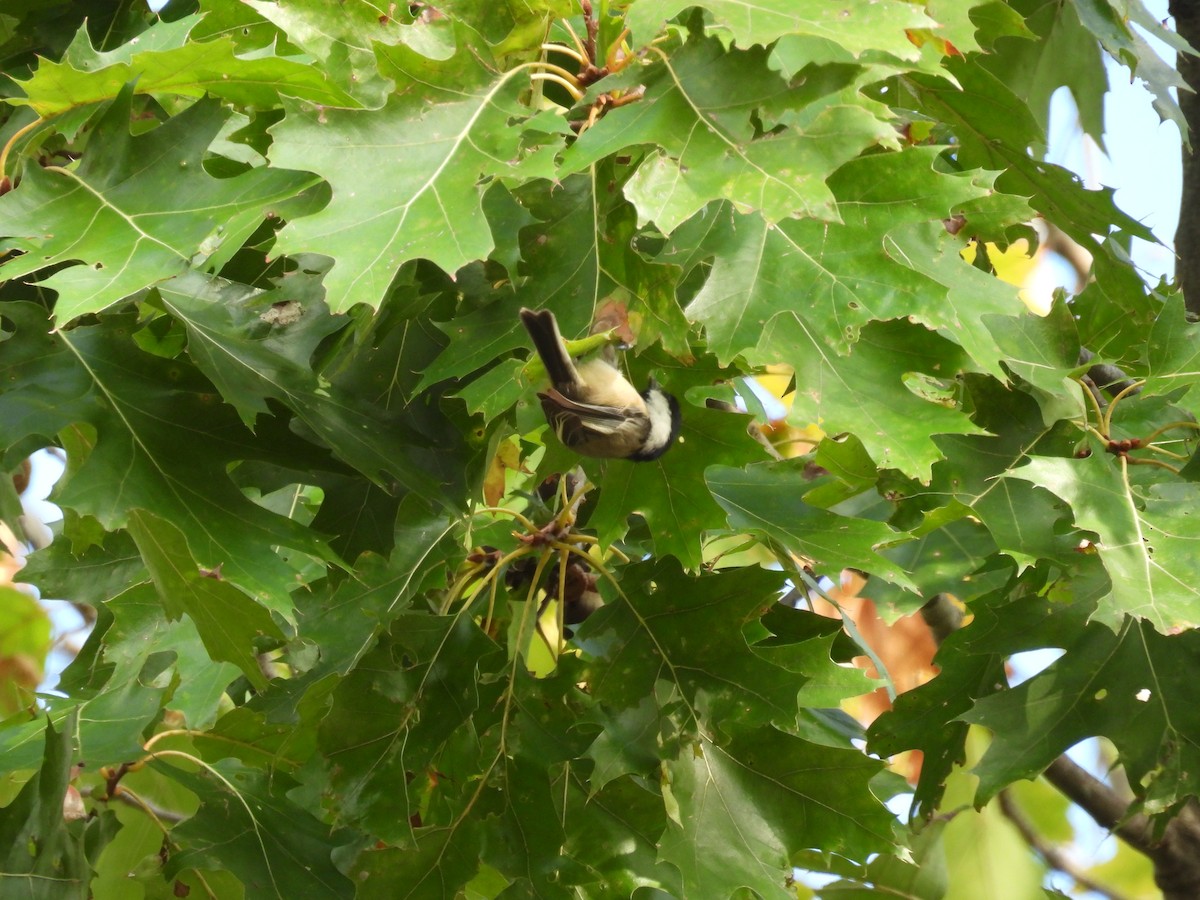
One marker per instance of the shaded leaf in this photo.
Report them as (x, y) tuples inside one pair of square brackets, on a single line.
[(768, 499), (685, 631), (283, 851), (49, 858), (441, 862), (227, 620), (162, 443), (765, 797), (1129, 687), (251, 358)]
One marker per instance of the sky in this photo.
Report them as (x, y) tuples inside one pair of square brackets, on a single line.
[(1143, 159)]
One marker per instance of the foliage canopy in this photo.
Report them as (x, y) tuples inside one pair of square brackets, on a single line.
[(262, 265)]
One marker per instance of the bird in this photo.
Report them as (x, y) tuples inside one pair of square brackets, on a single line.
[(593, 408)]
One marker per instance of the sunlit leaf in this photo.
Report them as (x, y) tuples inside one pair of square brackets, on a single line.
[(139, 213)]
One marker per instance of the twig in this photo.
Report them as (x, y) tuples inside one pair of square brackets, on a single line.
[(126, 796), (1053, 855)]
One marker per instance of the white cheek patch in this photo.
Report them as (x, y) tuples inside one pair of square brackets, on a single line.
[(660, 421)]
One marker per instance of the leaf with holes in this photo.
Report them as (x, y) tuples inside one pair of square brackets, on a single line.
[(1149, 540)]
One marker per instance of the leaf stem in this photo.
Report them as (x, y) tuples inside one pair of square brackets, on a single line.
[(567, 77), (1112, 406), (1152, 462), (206, 735), (575, 92), (16, 136), (583, 54), (508, 512), (1158, 448), (851, 630), (565, 51), (611, 59), (1087, 392), (1165, 428)]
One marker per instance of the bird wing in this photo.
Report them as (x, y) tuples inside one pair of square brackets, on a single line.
[(563, 411)]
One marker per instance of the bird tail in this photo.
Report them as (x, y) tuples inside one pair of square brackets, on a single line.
[(548, 341)]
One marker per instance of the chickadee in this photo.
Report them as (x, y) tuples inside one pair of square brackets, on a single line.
[(592, 408)]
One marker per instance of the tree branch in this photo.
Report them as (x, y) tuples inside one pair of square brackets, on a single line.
[(1051, 853), (1187, 234), (1176, 854)]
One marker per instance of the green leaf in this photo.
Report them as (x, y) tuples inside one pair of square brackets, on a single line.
[(1111, 26), (972, 666), (227, 620), (614, 834), (1064, 54), (685, 631), (170, 64), (842, 276), (49, 858), (769, 499), (92, 576), (160, 442), (441, 862), (375, 734), (858, 26), (427, 206), (344, 623), (764, 797), (136, 214), (996, 127), (1022, 520), (117, 697), (667, 493), (1171, 353), (1131, 687), (198, 686), (250, 356), (1148, 540), (530, 833), (577, 261), (343, 39), (866, 393), (315, 378), (247, 825), (1043, 350), (959, 23), (697, 108)]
